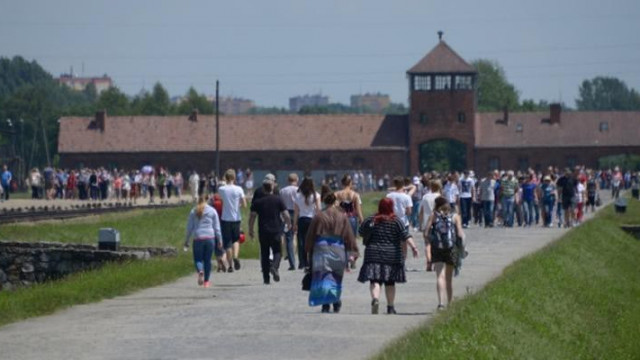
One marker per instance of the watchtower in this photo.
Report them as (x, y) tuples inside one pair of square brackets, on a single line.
[(442, 104)]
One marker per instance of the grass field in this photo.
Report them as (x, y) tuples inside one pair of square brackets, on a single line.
[(576, 299), (164, 227)]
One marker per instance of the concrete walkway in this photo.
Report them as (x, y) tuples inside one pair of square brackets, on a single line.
[(240, 318)]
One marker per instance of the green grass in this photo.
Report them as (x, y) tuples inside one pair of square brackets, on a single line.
[(107, 282), (579, 298)]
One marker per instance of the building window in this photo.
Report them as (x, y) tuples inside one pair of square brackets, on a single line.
[(571, 161), (494, 163), (604, 126), (519, 128), (523, 163), (443, 82), (464, 82), (462, 118), (422, 83), (289, 161), (423, 118)]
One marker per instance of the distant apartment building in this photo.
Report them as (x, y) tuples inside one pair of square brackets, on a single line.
[(298, 102), (80, 83), (371, 102), (235, 106)]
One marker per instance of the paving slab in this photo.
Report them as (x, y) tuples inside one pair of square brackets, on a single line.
[(240, 318)]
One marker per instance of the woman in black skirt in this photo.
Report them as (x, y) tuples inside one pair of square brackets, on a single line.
[(384, 235), (444, 248)]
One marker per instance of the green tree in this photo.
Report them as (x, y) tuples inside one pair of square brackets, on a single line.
[(155, 103), (193, 100), (114, 101), (607, 93), (531, 105), (494, 91), (396, 109)]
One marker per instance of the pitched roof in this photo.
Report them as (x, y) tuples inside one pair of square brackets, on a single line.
[(442, 59), (576, 129), (237, 133)]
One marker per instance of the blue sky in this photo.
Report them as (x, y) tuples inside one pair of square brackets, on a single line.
[(269, 51)]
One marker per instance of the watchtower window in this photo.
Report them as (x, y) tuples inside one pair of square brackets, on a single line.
[(423, 118), (443, 82), (462, 118), (464, 82), (422, 83)]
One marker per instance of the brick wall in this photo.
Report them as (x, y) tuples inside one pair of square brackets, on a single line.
[(435, 115), (513, 158)]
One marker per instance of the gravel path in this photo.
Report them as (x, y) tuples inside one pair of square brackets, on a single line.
[(240, 318)]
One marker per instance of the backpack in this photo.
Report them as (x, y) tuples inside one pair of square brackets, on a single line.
[(443, 232)]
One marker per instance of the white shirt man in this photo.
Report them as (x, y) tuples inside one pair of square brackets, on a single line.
[(232, 198), (402, 203)]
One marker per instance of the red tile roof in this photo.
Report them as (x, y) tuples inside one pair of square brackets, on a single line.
[(575, 129), (442, 59), (237, 133)]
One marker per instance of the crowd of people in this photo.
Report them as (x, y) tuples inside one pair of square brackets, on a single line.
[(438, 206), (326, 221)]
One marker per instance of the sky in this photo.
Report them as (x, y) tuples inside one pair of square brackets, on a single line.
[(269, 51)]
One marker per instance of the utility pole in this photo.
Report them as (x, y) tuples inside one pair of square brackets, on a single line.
[(218, 130), (46, 143)]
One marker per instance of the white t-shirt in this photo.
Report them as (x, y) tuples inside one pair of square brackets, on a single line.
[(451, 192), (305, 210), (288, 196), (580, 192), (231, 196), (401, 202), (466, 186), (427, 205)]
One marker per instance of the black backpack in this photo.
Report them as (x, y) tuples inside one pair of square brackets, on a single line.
[(443, 232)]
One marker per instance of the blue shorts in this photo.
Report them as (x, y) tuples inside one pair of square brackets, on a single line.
[(230, 233)]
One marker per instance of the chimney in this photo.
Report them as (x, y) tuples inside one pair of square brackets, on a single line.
[(194, 115), (555, 110), (505, 117), (101, 117)]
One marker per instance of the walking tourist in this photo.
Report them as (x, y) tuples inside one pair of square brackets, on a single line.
[(467, 196), (328, 240), (6, 177), (427, 207), (232, 199), (383, 235), (288, 196), (306, 206), (270, 211), (446, 245), (204, 227), (350, 202)]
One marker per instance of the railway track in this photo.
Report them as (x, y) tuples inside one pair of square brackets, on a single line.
[(41, 213)]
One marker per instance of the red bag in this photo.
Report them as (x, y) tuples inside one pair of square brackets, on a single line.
[(242, 238)]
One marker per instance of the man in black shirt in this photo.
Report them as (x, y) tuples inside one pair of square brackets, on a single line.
[(271, 211), (567, 189)]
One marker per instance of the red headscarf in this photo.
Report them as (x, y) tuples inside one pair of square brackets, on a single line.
[(385, 211)]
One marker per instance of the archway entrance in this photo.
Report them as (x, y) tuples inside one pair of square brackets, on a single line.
[(443, 155)]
